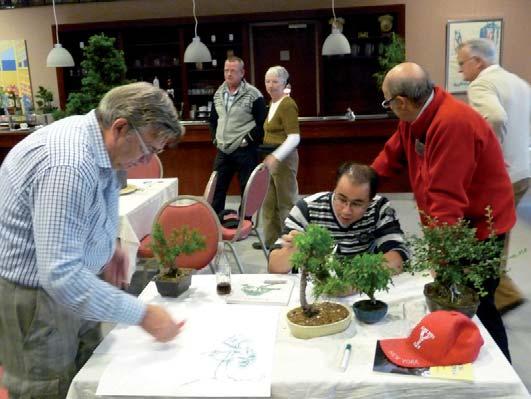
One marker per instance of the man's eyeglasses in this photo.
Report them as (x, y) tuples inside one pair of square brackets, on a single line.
[(387, 103), (344, 202), (145, 149)]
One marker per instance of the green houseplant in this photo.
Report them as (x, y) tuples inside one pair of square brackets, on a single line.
[(460, 262), (393, 54), (313, 259), (103, 68), (172, 280), (44, 100)]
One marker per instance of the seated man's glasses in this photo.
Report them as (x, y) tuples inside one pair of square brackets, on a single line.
[(145, 149), (343, 201)]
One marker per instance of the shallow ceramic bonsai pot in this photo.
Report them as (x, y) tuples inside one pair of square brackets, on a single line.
[(434, 303), (173, 288), (368, 312), (306, 332)]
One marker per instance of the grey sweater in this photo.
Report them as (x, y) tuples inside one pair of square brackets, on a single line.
[(244, 119)]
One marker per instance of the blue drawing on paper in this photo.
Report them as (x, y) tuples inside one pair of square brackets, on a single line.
[(232, 358)]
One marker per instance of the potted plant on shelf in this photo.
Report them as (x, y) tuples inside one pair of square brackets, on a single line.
[(172, 280), (459, 261), (313, 259), (393, 54)]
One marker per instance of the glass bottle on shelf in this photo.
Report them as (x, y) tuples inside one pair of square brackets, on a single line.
[(156, 82)]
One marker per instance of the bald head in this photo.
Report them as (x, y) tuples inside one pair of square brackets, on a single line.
[(409, 80)]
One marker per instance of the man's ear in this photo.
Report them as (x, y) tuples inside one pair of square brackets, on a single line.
[(120, 127)]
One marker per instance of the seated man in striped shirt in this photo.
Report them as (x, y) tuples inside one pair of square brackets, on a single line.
[(358, 220)]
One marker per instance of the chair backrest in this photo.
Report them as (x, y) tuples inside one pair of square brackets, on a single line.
[(255, 191), (196, 213), (210, 188), (150, 170)]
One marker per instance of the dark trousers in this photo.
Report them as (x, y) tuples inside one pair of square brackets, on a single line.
[(491, 318), (242, 161)]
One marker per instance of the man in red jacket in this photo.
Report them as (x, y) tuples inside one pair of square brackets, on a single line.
[(455, 165)]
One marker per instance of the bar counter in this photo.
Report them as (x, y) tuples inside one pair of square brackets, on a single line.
[(325, 143)]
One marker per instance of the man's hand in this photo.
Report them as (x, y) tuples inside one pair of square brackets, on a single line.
[(158, 322), (287, 239), (116, 270)]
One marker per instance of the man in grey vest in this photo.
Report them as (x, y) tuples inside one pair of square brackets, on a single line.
[(237, 128)]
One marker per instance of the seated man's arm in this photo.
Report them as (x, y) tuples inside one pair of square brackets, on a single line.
[(279, 258), (394, 261)]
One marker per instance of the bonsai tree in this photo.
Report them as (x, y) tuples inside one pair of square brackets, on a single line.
[(44, 100), (166, 249), (104, 68), (314, 248), (456, 257), (393, 54)]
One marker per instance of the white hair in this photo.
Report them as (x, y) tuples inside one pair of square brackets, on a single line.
[(481, 48), (280, 72)]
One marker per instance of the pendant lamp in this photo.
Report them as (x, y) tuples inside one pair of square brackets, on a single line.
[(58, 56), (197, 51), (336, 43)]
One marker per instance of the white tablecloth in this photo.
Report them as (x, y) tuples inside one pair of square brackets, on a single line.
[(138, 209), (310, 368)]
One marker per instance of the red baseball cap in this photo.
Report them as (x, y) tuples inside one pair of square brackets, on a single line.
[(441, 338)]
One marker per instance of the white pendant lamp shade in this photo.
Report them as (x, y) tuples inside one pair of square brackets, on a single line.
[(59, 57), (197, 52), (336, 43)]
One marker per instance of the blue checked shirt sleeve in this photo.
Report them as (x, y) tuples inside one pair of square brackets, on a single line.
[(67, 210)]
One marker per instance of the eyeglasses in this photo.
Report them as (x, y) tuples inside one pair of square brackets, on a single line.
[(148, 151), (461, 63), (387, 103), (343, 201)]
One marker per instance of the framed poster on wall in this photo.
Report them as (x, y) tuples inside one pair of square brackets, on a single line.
[(459, 31), (15, 84)]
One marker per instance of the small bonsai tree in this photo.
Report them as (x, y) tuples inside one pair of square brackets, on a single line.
[(366, 272), (314, 248), (181, 241), (456, 256), (104, 68), (44, 100), (394, 53)]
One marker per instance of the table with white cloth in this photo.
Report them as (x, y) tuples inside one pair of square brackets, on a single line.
[(138, 209), (311, 368)]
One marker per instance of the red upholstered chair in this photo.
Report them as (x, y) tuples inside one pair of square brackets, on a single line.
[(196, 213), (150, 170), (252, 200), (208, 195), (3, 391)]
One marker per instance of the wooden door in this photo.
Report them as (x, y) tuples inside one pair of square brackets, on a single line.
[(292, 45)]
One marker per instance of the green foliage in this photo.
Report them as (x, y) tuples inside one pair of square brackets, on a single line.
[(455, 254), (366, 272), (394, 53), (44, 100), (331, 274), (181, 241), (104, 68)]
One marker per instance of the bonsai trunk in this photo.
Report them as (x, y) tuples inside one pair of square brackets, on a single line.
[(308, 310)]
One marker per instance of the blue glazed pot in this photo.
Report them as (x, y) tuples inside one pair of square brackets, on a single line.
[(368, 312)]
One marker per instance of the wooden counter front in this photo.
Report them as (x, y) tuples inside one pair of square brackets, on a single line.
[(324, 145)]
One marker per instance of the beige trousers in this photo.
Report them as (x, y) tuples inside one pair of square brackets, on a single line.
[(507, 293), (280, 198)]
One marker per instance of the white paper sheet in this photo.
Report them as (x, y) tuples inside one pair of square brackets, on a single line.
[(223, 351)]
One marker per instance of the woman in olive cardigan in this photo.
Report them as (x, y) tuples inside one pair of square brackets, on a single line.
[(281, 130)]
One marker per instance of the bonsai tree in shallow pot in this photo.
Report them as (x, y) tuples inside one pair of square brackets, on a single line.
[(368, 273), (459, 261), (172, 280), (313, 259)]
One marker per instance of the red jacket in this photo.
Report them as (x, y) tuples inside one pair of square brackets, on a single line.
[(458, 171)]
